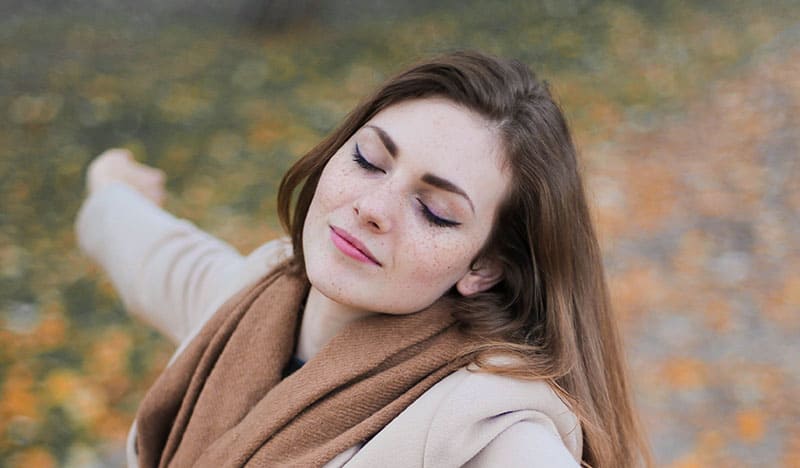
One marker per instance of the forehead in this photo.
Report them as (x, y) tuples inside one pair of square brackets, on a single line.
[(437, 121), (437, 136)]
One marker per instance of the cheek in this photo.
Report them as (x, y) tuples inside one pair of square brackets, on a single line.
[(330, 188), (440, 261)]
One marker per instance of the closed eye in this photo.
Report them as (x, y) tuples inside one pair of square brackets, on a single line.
[(429, 216), (433, 219), (361, 161)]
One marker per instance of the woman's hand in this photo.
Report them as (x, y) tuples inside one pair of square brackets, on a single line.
[(118, 165)]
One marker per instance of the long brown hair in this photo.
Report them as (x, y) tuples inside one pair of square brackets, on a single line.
[(551, 309)]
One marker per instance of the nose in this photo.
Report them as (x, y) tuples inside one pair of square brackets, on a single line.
[(375, 210)]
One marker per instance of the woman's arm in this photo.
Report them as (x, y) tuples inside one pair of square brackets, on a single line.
[(166, 270)]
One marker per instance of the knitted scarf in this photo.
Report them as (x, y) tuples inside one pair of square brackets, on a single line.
[(223, 401)]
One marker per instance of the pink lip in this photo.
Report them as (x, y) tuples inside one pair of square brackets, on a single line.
[(351, 246)]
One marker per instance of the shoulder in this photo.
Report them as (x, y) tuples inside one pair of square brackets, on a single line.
[(253, 267), (469, 417), (250, 269), (261, 261), (476, 407), (245, 273), (270, 254)]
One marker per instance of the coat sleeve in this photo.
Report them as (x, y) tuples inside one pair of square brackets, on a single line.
[(166, 271)]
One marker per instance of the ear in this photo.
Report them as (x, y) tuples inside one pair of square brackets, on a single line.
[(481, 277)]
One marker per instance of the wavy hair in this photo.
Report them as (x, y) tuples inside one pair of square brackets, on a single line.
[(551, 309)]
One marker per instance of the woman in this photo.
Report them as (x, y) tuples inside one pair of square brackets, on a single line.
[(441, 302)]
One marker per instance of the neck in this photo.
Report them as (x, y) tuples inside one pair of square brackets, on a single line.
[(323, 318)]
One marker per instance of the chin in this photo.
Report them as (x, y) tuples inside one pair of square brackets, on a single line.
[(325, 274), (340, 290)]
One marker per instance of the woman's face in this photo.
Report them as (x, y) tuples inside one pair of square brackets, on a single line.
[(404, 206)]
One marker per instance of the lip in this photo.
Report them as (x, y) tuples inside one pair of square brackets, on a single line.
[(351, 246)]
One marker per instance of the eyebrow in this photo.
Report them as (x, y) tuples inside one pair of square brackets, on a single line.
[(391, 147), (445, 184), (428, 178)]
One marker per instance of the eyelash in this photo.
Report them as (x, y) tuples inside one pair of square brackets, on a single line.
[(361, 161), (433, 219), (426, 212)]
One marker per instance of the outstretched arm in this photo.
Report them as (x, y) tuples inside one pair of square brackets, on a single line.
[(166, 270)]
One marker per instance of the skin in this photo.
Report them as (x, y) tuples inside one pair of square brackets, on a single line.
[(418, 261), (118, 165)]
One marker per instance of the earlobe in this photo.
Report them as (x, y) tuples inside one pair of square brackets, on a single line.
[(480, 279)]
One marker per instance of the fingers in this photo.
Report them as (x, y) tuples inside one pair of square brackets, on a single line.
[(150, 182), (118, 154), (119, 165)]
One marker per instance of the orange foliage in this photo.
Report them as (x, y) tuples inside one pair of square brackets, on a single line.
[(750, 425), (37, 457), (685, 373)]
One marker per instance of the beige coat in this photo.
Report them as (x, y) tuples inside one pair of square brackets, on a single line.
[(175, 276)]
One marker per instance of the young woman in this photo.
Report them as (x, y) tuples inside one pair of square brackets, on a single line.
[(440, 300)]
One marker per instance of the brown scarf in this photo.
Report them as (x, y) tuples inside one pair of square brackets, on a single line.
[(223, 401)]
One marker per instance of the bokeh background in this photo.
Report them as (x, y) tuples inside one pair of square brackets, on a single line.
[(687, 115)]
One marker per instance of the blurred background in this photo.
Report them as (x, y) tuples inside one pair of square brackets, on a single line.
[(687, 115)]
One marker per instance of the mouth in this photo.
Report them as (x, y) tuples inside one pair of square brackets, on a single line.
[(351, 246)]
